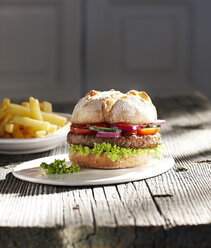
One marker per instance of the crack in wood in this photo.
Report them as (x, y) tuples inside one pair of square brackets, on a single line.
[(153, 198), (203, 161), (116, 228), (180, 169), (132, 214), (109, 206), (163, 195), (76, 207), (115, 219), (167, 222), (91, 234)]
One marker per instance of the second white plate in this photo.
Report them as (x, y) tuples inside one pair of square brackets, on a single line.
[(34, 145), (30, 171)]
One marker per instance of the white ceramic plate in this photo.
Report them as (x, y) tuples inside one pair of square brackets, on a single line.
[(31, 172), (34, 145)]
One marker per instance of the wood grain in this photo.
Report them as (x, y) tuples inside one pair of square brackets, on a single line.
[(170, 210)]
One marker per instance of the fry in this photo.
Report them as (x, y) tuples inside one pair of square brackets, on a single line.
[(46, 107), (4, 103), (54, 119), (17, 132), (15, 109), (53, 128), (29, 122), (6, 119), (25, 104), (35, 109), (29, 132), (3, 106), (2, 114), (9, 127), (40, 133)]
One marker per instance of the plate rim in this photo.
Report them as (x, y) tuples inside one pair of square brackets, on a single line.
[(47, 181)]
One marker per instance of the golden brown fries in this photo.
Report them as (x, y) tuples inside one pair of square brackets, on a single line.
[(29, 119), (35, 109), (46, 107), (25, 104), (29, 122), (54, 119)]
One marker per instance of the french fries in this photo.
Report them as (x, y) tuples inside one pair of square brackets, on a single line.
[(35, 109), (29, 122), (46, 107), (25, 104), (29, 119), (54, 119), (9, 127), (15, 109)]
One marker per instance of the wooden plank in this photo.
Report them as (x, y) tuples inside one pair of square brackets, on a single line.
[(21, 201), (140, 204), (102, 213)]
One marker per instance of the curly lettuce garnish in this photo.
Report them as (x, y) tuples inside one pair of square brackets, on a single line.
[(59, 167), (115, 152)]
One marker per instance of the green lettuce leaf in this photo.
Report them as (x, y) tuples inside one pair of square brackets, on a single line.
[(59, 167), (114, 152)]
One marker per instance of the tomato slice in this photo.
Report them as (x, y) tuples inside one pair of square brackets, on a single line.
[(81, 129), (102, 124), (128, 133), (126, 126), (147, 131), (123, 124), (84, 129)]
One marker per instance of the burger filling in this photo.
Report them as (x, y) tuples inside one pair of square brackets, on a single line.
[(116, 140)]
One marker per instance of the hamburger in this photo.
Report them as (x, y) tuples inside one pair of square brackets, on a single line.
[(113, 130)]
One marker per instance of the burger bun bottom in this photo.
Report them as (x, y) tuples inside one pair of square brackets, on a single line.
[(103, 162)]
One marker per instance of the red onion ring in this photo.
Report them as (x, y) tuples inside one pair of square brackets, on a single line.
[(108, 134), (129, 128), (158, 122)]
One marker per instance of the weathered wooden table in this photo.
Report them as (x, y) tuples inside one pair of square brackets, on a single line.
[(170, 210)]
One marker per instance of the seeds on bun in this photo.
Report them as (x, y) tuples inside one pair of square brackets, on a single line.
[(114, 130)]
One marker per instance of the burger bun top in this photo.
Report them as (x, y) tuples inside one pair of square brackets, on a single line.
[(113, 106)]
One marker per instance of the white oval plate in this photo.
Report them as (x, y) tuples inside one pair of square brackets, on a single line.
[(30, 171), (34, 145)]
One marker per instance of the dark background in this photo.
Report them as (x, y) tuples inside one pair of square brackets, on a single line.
[(59, 49)]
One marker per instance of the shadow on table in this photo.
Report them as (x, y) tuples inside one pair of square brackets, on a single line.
[(12, 185), (197, 157), (102, 237), (30, 237), (15, 159)]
